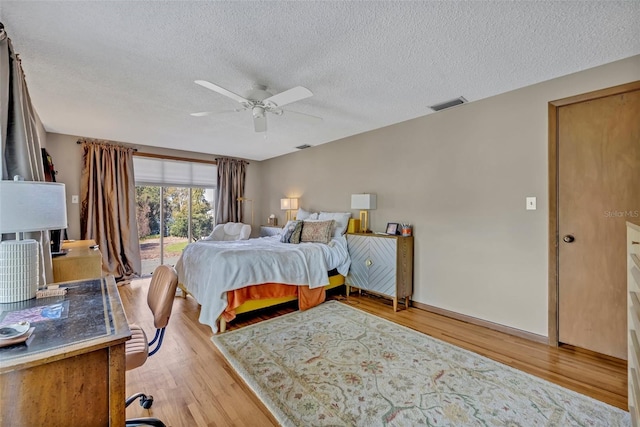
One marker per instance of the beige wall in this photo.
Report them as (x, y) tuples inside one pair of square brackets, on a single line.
[(460, 177), (67, 158)]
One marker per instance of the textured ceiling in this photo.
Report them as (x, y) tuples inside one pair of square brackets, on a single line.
[(124, 71)]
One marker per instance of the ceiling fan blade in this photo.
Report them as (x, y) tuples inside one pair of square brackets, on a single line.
[(260, 123), (222, 91), (302, 116), (211, 113), (287, 97)]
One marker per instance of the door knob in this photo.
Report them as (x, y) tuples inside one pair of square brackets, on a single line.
[(568, 238)]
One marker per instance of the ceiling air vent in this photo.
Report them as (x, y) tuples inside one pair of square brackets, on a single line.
[(302, 147), (448, 104)]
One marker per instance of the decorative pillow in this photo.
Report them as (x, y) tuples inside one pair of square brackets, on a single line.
[(317, 231), (341, 219), (291, 232), (302, 215)]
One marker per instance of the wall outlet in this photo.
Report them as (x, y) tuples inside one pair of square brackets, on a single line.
[(75, 198), (531, 203)]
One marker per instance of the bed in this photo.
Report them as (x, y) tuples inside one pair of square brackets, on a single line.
[(229, 278)]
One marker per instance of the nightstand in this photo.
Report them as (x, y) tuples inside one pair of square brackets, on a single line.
[(270, 230), (381, 264)]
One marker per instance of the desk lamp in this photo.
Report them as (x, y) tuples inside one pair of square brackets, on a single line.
[(364, 202), (26, 206)]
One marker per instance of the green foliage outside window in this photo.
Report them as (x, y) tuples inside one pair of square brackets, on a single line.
[(176, 212)]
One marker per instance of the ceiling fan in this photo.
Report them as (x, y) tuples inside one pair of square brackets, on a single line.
[(260, 102)]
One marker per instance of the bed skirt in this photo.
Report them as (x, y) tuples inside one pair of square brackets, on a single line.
[(256, 297)]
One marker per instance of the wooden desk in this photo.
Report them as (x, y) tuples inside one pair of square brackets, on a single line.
[(72, 372), (80, 262)]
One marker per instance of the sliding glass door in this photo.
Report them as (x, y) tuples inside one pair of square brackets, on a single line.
[(148, 213), (175, 206), (168, 219)]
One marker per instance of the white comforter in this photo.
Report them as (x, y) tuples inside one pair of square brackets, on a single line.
[(208, 269)]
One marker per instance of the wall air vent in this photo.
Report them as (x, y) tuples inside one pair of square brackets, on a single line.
[(302, 147), (448, 104)]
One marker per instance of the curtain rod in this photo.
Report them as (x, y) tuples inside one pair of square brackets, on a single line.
[(110, 143), (168, 157), (177, 158)]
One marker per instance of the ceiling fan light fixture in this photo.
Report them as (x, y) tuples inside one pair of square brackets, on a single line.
[(258, 112)]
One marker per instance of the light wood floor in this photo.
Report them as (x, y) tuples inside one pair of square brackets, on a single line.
[(194, 386)]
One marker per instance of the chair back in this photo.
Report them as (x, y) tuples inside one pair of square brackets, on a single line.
[(162, 291)]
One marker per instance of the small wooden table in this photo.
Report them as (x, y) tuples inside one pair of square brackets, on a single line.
[(68, 244), (80, 262), (72, 372)]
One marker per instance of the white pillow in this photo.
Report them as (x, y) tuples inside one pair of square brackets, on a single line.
[(302, 215), (341, 221)]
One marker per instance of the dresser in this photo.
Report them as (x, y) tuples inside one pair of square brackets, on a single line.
[(633, 319), (382, 265)]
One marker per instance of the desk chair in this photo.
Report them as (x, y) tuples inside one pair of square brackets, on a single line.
[(162, 290)]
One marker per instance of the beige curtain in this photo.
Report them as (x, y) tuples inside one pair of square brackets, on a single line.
[(108, 209), (21, 137), (231, 174)]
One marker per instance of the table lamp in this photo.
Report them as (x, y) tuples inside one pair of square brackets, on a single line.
[(364, 202), (289, 204), (26, 206)]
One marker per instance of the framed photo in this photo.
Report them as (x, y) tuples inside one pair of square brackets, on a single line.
[(392, 228)]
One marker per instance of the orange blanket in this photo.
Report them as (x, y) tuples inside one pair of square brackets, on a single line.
[(307, 298)]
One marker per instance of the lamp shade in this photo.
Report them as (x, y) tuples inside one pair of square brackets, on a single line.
[(32, 206), (294, 204), (288, 204), (363, 201)]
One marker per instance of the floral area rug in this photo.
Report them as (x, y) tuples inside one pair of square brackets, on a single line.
[(334, 365)]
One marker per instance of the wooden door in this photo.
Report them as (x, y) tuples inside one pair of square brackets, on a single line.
[(598, 161)]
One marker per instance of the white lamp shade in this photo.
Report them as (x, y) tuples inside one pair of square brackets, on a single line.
[(363, 201), (288, 204), (32, 206)]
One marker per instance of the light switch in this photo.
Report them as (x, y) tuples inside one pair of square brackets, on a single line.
[(531, 203), (74, 198)]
